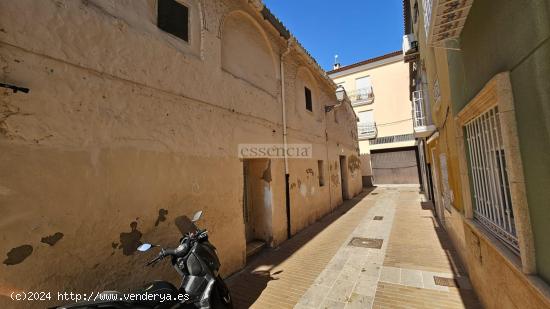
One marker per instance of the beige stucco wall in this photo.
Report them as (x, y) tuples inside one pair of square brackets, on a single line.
[(126, 129), (391, 106)]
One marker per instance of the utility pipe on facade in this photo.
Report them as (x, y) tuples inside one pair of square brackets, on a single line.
[(283, 101), (285, 133)]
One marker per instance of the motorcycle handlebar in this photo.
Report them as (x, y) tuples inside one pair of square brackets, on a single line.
[(180, 250)]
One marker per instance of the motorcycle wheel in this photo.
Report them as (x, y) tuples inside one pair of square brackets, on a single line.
[(221, 297)]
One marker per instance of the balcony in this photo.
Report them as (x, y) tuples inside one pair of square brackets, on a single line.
[(367, 130), (444, 20), (422, 124), (361, 96)]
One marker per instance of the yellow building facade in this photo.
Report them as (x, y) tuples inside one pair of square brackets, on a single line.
[(478, 82), (378, 89)]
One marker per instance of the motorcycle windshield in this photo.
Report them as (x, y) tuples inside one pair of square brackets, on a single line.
[(185, 225)]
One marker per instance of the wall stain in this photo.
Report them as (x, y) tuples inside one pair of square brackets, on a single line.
[(18, 254), (162, 216), (129, 242), (52, 239), (266, 176), (309, 171), (334, 179), (354, 163), (292, 186)]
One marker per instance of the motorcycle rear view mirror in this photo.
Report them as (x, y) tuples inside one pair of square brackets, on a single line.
[(197, 216), (144, 247)]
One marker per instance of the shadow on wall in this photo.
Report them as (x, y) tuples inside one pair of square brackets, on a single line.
[(459, 273), (247, 285)]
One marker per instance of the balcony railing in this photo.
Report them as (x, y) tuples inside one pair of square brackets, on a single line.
[(444, 20), (367, 130), (423, 126), (361, 96)]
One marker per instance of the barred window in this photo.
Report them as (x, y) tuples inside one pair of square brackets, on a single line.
[(487, 159)]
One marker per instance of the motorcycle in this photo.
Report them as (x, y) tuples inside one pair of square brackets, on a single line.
[(195, 260)]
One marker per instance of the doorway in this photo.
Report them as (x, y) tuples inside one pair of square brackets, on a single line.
[(437, 192), (344, 178), (257, 204), (395, 166)]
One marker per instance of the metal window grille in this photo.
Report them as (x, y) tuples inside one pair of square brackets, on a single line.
[(392, 139), (492, 200), (367, 130), (427, 6), (419, 119), (361, 96)]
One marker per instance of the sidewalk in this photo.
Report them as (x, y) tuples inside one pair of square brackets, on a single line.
[(330, 264)]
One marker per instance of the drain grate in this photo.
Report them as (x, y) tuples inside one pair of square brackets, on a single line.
[(372, 243), (378, 218), (445, 281)]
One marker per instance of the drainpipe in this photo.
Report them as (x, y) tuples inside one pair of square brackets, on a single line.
[(285, 133), (283, 100)]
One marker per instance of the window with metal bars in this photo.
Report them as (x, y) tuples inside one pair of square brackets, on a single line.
[(487, 159)]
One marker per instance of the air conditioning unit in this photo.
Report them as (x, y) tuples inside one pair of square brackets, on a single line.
[(410, 47)]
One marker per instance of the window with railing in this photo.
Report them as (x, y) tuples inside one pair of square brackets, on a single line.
[(361, 95), (392, 139), (367, 130), (427, 6), (491, 198), (419, 117)]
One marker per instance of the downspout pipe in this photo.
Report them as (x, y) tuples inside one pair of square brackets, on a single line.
[(285, 142), (283, 101)]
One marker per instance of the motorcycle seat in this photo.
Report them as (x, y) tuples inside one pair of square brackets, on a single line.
[(159, 287)]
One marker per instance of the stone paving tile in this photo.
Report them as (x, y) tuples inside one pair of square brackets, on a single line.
[(390, 274), (341, 290), (332, 304), (411, 277), (366, 285), (318, 269), (275, 276), (314, 296), (390, 295), (372, 270), (358, 301), (350, 273)]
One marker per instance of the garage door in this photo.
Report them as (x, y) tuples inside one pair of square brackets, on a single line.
[(395, 167)]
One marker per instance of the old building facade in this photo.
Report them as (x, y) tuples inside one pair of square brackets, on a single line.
[(379, 92), (108, 151), (479, 77)]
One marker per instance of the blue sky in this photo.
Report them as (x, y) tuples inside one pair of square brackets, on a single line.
[(354, 29)]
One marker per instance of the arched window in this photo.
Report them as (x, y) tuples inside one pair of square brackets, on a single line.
[(247, 53)]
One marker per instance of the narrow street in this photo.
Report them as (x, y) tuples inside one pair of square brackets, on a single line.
[(326, 266)]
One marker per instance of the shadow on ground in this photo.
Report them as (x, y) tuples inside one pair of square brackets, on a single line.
[(248, 284), (467, 294)]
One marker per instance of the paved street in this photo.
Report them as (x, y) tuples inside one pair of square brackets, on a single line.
[(381, 249)]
